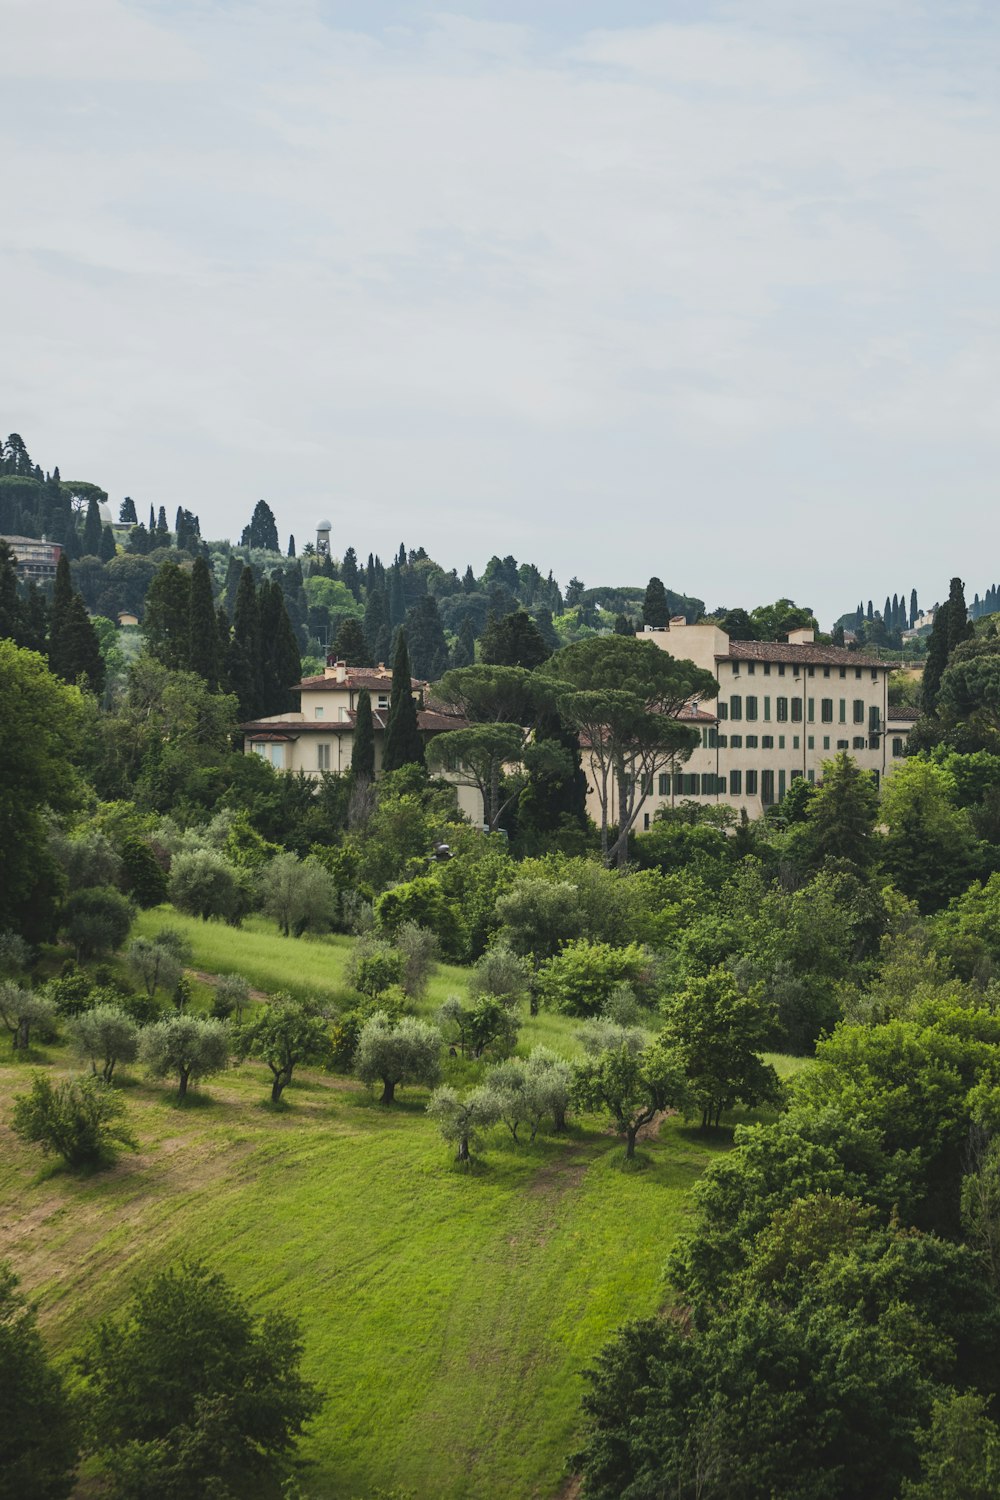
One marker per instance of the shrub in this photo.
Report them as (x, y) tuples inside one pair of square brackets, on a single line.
[(70, 992), (425, 902), (143, 875), (80, 1119), (203, 884), (232, 996), (500, 972), (418, 949), (97, 920), (581, 979), (374, 966)]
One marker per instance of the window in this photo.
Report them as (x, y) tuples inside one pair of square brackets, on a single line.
[(751, 707), (722, 741), (278, 757), (796, 711), (736, 742), (767, 708), (645, 822), (897, 745), (873, 742), (826, 742), (843, 671), (811, 777), (843, 745), (781, 669), (811, 709), (767, 669), (751, 783), (859, 710), (874, 674), (781, 742), (767, 742), (873, 719), (736, 707), (781, 785), (323, 757), (317, 713), (826, 710), (260, 749), (751, 669), (751, 742), (874, 777), (708, 783), (795, 742), (842, 710), (736, 783), (826, 671), (781, 709), (723, 709), (767, 787), (858, 743), (857, 673), (812, 671), (383, 700), (810, 742), (664, 784)]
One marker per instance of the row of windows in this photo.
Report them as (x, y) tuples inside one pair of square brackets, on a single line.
[(751, 668), (749, 707), (769, 785)]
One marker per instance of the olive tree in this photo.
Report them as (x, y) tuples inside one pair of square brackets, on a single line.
[(152, 964), (500, 972), (105, 1035), (463, 1119), (283, 1034), (186, 1048), (96, 920), (20, 1010), (203, 884), (632, 1087), (297, 893), (397, 1052), (548, 1082), (232, 996)]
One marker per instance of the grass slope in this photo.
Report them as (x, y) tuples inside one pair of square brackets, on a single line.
[(447, 1315)]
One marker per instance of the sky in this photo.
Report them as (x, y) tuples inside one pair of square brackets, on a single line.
[(709, 290)]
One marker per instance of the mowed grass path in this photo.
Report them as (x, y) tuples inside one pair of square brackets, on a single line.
[(446, 1315)]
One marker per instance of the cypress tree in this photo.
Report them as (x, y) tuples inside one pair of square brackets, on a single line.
[(280, 663), (397, 598), (623, 625), (74, 650), (106, 549), (655, 609), (914, 610), (291, 546), (245, 650), (223, 635), (937, 658), (10, 604), (376, 616), (871, 612), (126, 511), (151, 528), (363, 751), (959, 624), (349, 572), (92, 529), (403, 743), (427, 644), (887, 613), (351, 644), (165, 622), (203, 645)]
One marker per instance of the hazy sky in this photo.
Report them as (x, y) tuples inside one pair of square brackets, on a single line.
[(707, 290)]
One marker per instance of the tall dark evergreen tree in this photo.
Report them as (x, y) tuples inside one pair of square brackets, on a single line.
[(514, 641), (349, 572), (376, 617), (655, 609), (623, 625), (10, 604), (914, 608), (291, 546), (871, 612), (151, 528), (74, 650), (92, 529), (403, 743), (468, 581), (959, 624), (464, 653), (126, 511), (397, 597), (363, 750), (166, 618), (425, 636), (262, 531), (243, 656), (351, 644), (203, 644), (106, 547), (281, 665)]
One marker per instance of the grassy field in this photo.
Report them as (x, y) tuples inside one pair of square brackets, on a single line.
[(446, 1315)]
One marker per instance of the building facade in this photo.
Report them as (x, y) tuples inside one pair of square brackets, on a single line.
[(319, 738), (36, 560), (783, 708)]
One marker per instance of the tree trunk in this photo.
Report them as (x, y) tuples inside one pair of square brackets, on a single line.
[(630, 1134), (276, 1088), (463, 1149), (559, 1118), (182, 1083), (388, 1091)]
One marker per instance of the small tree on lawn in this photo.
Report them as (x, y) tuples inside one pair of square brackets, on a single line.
[(38, 1439), (548, 1082), (718, 1033), (189, 1393), (397, 1052), (232, 996), (20, 1010), (97, 920), (488, 1023), (298, 893), (203, 884), (105, 1035), (463, 1120), (633, 1087), (187, 1048), (508, 1081), (283, 1034), (152, 964), (80, 1119), (501, 972)]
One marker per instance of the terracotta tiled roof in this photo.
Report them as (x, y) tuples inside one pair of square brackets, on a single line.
[(811, 655), (697, 715), (431, 721), (902, 715), (372, 678)]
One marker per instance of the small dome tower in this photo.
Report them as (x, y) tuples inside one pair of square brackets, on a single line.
[(323, 539)]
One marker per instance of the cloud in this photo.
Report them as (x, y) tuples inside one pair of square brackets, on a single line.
[(486, 288)]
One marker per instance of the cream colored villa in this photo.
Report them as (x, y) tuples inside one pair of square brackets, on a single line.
[(783, 708), (320, 736)]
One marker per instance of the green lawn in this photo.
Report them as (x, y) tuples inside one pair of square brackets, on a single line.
[(446, 1315)]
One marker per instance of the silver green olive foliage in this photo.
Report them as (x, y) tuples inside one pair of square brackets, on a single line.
[(394, 1053), (187, 1048), (153, 964), (463, 1119), (105, 1036), (500, 972), (22, 1010)]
